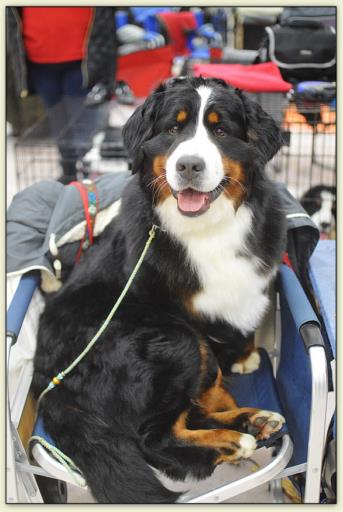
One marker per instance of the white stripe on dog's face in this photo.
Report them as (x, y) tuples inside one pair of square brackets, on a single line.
[(323, 217), (200, 145)]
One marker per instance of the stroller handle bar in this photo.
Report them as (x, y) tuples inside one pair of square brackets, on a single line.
[(20, 303), (298, 303)]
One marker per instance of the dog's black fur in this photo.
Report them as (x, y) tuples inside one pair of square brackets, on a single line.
[(114, 414)]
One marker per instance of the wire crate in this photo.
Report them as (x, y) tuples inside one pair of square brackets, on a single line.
[(37, 155), (306, 163), (308, 157), (87, 140), (274, 103)]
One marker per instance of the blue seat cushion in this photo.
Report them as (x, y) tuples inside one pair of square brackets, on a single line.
[(40, 431)]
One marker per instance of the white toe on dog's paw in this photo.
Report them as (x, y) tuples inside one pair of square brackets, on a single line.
[(267, 422), (247, 446), (248, 365)]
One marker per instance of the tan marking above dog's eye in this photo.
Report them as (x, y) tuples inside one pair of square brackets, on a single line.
[(213, 117), (182, 116)]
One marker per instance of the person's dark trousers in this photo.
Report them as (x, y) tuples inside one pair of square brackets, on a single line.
[(72, 124)]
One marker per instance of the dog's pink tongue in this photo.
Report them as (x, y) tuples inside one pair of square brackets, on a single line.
[(191, 200)]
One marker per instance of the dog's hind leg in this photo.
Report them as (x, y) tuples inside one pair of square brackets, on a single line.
[(217, 404), (229, 443)]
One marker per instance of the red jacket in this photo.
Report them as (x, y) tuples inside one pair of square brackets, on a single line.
[(55, 34)]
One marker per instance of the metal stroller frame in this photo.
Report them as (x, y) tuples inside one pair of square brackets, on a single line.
[(21, 481)]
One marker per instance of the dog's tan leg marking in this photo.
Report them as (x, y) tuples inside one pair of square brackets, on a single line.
[(217, 403), (216, 398), (234, 444)]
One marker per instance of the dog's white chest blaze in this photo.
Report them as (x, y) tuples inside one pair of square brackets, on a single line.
[(232, 291), (233, 288)]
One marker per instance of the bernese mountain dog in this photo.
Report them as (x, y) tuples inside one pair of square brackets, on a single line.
[(320, 203), (150, 395)]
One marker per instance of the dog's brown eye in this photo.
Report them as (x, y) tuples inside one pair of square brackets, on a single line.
[(219, 131), (174, 129)]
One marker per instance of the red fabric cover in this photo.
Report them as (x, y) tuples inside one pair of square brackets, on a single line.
[(55, 34), (144, 70), (177, 25), (264, 77), (286, 260)]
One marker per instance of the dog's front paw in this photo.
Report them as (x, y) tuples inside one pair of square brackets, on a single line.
[(247, 446), (265, 423), (248, 365), (238, 450)]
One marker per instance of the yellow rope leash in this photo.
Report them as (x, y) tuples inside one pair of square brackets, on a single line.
[(63, 459), (60, 456)]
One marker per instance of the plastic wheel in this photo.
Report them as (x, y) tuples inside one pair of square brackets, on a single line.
[(52, 491)]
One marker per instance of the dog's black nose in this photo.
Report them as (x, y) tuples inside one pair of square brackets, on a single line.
[(190, 165)]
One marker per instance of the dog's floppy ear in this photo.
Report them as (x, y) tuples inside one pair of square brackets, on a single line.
[(139, 128), (261, 130)]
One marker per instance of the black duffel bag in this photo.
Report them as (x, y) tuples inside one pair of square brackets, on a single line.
[(302, 48)]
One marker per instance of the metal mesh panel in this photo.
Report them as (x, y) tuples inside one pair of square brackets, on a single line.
[(308, 156), (71, 135), (37, 156), (306, 163)]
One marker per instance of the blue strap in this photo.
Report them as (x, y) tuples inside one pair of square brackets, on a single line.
[(21, 301)]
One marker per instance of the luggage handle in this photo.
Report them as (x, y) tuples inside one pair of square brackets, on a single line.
[(303, 23)]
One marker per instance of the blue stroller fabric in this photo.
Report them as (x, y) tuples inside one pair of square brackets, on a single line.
[(294, 380), (258, 389), (323, 277)]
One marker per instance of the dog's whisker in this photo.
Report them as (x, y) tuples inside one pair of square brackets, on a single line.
[(159, 189), (226, 192), (230, 178), (156, 184), (155, 180)]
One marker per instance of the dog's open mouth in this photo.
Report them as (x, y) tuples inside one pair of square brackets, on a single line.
[(192, 202)]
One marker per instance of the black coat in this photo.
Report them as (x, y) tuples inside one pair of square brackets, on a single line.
[(99, 62)]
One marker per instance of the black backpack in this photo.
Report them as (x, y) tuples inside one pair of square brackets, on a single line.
[(302, 48)]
